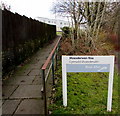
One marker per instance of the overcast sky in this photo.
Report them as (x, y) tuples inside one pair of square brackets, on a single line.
[(31, 8)]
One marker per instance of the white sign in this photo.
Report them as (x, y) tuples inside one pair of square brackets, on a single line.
[(88, 64)]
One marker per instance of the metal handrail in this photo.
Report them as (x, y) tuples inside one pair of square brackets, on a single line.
[(50, 60), (50, 56)]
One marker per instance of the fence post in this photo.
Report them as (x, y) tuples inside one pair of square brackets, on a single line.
[(53, 69), (44, 92)]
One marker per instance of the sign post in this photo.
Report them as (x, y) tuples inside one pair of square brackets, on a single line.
[(88, 64)]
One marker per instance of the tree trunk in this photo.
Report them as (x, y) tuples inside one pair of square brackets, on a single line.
[(75, 31)]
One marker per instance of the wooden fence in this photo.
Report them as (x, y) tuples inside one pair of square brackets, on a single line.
[(21, 37)]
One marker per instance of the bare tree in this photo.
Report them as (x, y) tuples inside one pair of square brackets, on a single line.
[(71, 9), (112, 16), (93, 14), (5, 6)]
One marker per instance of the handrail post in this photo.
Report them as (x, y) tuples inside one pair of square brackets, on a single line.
[(44, 92), (57, 55), (53, 69), (58, 49), (52, 59), (56, 58)]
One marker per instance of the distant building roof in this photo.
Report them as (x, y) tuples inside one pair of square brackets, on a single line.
[(59, 23)]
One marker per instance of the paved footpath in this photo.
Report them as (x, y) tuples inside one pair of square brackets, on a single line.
[(22, 91)]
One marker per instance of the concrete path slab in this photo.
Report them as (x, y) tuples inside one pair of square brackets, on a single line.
[(18, 80), (40, 63), (30, 106), (11, 105), (34, 72), (37, 81), (22, 91), (1, 102), (27, 91), (26, 72), (35, 66), (8, 90)]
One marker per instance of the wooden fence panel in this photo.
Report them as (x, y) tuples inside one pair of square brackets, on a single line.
[(21, 37)]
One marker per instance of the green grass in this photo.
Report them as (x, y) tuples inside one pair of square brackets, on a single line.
[(87, 94), (59, 32)]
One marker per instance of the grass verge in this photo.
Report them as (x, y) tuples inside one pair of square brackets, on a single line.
[(59, 32), (87, 94)]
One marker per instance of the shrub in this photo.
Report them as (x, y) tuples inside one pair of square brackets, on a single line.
[(66, 31)]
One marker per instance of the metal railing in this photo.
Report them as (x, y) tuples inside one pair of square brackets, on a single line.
[(49, 65)]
